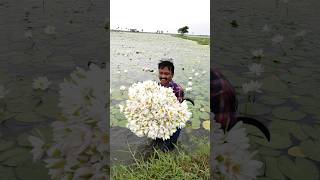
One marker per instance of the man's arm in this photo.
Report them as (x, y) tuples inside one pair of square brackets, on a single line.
[(179, 93)]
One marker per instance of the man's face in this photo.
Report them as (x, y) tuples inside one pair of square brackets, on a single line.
[(165, 75)]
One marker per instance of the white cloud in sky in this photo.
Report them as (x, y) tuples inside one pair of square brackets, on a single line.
[(166, 15)]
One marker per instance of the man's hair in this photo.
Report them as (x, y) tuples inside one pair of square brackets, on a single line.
[(166, 63)]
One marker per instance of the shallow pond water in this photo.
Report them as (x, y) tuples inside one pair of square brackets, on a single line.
[(131, 54)]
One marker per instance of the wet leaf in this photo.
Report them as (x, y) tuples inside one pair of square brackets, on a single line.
[(296, 151), (272, 169), (299, 169), (287, 113), (311, 149)]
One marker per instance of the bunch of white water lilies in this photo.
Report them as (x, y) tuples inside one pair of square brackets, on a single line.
[(231, 157), (154, 111), (79, 148)]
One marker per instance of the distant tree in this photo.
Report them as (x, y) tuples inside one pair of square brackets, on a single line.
[(183, 30)]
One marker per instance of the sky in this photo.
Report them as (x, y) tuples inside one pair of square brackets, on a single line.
[(165, 15)]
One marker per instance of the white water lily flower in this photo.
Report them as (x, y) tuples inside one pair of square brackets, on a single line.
[(118, 72), (3, 92), (50, 30), (154, 111), (28, 34), (196, 74), (256, 69), (41, 83), (203, 72), (277, 39), (252, 86), (121, 107), (238, 137), (189, 83), (125, 71), (258, 53), (37, 145), (189, 89), (193, 70), (190, 78), (122, 88)]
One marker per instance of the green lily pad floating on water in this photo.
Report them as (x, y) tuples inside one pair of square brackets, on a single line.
[(290, 78), (254, 109), (296, 151), (196, 123), (306, 88), (277, 141), (23, 140), (299, 169), (306, 101), (274, 84), (4, 145), (123, 123), (29, 117), (10, 153), (32, 171), (287, 113), (270, 100), (272, 169), (285, 128), (311, 131), (311, 149), (302, 72), (18, 159), (204, 115), (7, 173), (267, 151), (5, 115)]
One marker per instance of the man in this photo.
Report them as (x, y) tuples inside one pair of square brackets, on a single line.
[(166, 72)]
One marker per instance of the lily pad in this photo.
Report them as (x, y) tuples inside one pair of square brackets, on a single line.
[(285, 128), (23, 140), (12, 153), (299, 169), (206, 125), (296, 151), (18, 159), (254, 109), (290, 78), (7, 173), (5, 115), (122, 123), (29, 116), (272, 169), (32, 171), (311, 149), (195, 124), (306, 101), (270, 100), (287, 113), (4, 145), (277, 141), (311, 131), (269, 151), (274, 84), (204, 115)]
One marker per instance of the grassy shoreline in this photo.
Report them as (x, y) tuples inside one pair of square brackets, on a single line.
[(202, 40), (180, 164)]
